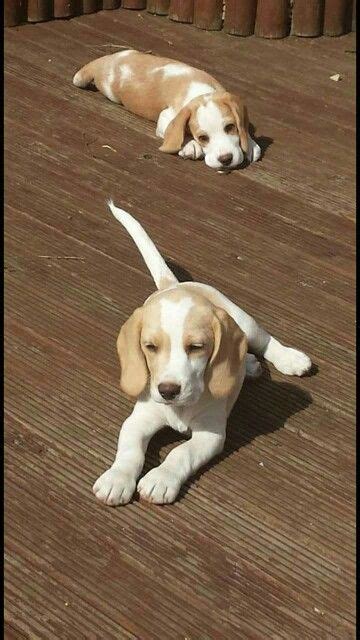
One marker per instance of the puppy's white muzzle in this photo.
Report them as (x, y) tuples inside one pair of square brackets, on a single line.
[(216, 152)]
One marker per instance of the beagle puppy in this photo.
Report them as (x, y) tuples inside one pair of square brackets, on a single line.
[(183, 355), (196, 117)]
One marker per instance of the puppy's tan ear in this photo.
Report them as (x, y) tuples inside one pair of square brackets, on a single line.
[(175, 132), (241, 118), (133, 369), (230, 348)]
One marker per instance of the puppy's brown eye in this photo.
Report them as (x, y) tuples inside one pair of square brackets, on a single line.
[(229, 128), (195, 347), (151, 347), (204, 139)]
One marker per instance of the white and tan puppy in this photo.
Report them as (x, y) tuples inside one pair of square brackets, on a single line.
[(183, 355), (195, 115)]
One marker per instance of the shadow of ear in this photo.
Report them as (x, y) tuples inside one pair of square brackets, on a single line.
[(263, 141), (179, 272)]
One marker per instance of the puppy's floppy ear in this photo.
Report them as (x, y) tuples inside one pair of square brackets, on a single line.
[(241, 118), (133, 368), (230, 347), (175, 131)]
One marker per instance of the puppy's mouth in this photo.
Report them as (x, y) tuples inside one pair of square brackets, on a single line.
[(176, 402), (223, 168)]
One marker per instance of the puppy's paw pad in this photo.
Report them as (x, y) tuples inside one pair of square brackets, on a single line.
[(191, 151), (293, 362), (253, 366), (114, 487), (159, 486)]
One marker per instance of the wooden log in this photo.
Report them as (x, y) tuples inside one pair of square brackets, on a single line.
[(181, 10), (158, 7), (307, 18), (336, 17), (111, 4), (14, 12), (208, 14), (240, 17), (90, 6), (349, 16), (133, 4), (353, 19), (39, 10), (272, 19), (65, 8)]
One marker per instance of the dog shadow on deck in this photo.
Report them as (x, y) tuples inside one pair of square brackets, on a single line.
[(179, 272), (263, 406)]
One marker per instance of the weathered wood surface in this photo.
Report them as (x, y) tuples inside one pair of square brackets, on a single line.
[(261, 545)]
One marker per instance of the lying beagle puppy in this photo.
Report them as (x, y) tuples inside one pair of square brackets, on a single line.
[(182, 100), (183, 355)]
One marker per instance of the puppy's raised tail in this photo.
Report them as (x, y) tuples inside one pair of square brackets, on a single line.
[(156, 264)]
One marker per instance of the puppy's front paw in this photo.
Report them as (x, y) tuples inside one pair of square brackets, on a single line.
[(254, 152), (292, 362), (192, 150), (159, 486), (114, 487)]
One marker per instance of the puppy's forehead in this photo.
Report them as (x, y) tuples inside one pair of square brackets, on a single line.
[(151, 318), (177, 311), (211, 113), (173, 313), (208, 115)]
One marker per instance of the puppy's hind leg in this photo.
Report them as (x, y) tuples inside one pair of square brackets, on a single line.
[(287, 360), (164, 119), (85, 75), (253, 366)]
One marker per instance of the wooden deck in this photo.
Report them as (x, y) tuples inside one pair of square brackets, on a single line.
[(261, 544)]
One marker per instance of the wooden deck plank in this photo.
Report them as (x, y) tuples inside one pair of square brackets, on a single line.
[(250, 550)]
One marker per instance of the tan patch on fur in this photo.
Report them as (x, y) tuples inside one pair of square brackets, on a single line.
[(176, 130), (133, 368), (240, 113), (230, 348), (154, 334), (147, 92)]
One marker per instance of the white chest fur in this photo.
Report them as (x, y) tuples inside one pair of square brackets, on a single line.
[(177, 419)]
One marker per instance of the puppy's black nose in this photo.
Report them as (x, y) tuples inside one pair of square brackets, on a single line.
[(168, 390), (226, 159)]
